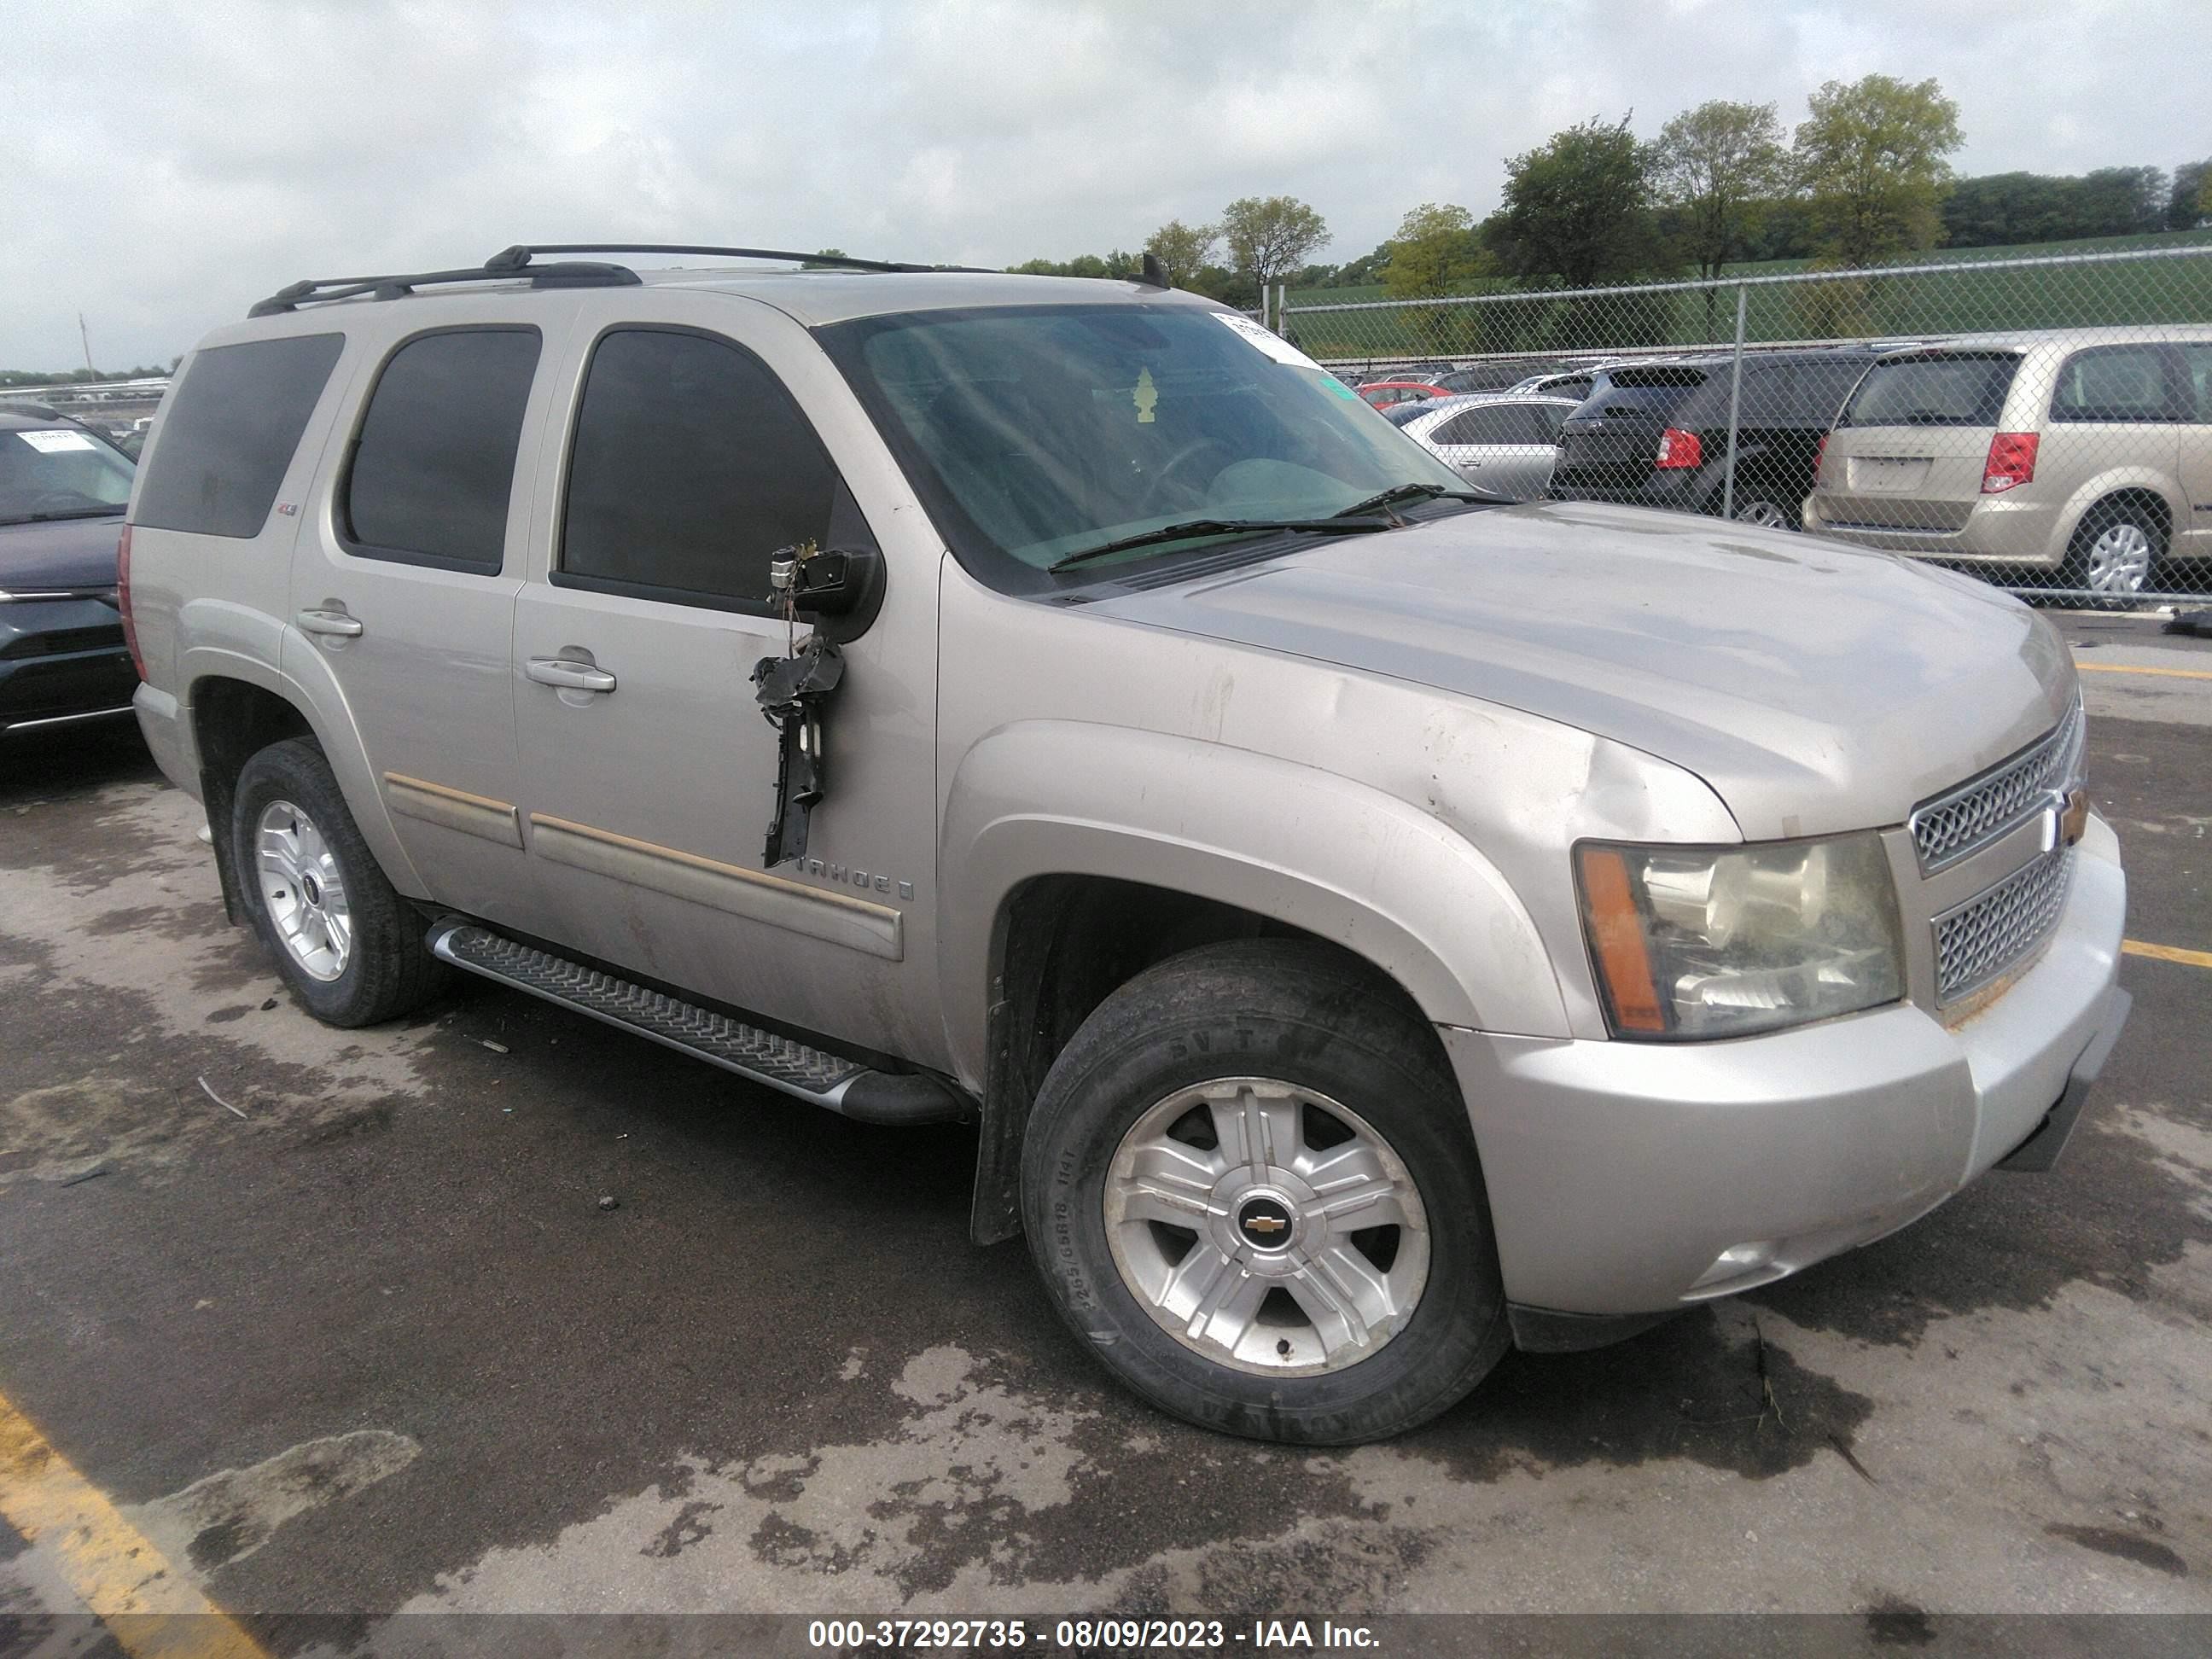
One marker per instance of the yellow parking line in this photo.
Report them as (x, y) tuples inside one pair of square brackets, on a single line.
[(2136, 947), (2128, 668), (153, 1610)]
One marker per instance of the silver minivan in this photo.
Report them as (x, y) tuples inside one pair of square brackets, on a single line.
[(1366, 926), (2086, 455)]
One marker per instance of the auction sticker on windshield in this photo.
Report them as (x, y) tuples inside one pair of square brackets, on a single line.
[(1269, 342), (47, 442)]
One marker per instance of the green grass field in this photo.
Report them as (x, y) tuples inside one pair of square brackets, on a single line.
[(1857, 305)]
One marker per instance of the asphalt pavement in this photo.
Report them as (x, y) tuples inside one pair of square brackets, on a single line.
[(337, 1322)]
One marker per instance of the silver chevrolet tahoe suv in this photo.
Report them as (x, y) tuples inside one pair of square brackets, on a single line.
[(1368, 928)]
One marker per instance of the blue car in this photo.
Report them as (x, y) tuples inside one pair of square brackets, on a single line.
[(62, 491)]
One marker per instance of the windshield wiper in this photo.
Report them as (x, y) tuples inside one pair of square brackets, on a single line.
[(1407, 492), (68, 513), (1338, 525)]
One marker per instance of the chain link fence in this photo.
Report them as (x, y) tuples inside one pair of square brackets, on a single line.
[(2045, 422)]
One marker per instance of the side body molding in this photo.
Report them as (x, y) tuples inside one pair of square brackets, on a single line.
[(1341, 859)]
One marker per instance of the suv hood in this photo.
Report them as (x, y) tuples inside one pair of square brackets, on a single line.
[(1815, 687), (64, 553)]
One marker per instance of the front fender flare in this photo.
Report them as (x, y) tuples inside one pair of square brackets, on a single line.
[(1392, 883)]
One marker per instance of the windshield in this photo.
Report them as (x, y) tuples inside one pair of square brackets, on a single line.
[(1960, 390), (60, 472), (1038, 432)]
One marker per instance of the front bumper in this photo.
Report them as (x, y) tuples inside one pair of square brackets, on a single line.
[(1620, 1173)]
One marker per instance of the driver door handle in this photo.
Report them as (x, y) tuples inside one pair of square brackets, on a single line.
[(335, 623), (569, 675)]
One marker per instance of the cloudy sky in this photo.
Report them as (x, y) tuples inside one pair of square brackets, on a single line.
[(169, 164)]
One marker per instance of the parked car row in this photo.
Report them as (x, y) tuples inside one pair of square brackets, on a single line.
[(2087, 457)]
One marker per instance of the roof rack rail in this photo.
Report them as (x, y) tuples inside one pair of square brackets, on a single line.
[(326, 289), (518, 257), (519, 261)]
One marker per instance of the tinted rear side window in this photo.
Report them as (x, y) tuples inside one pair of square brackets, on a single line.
[(435, 463), (2198, 360), (1494, 425), (692, 465), (231, 428), (1658, 375), (1652, 392), (1789, 392), (1962, 390), (2117, 383)]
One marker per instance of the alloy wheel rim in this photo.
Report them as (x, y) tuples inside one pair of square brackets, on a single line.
[(2119, 560), (303, 889), (1265, 1227), (1766, 513)]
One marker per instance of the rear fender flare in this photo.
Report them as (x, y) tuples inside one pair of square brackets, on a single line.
[(2112, 482), (329, 717)]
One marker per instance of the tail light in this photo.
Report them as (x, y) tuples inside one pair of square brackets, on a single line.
[(1680, 448), (123, 601), (2011, 462), (1820, 454)]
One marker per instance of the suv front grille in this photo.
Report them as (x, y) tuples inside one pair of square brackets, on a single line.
[(1955, 825), (1990, 933)]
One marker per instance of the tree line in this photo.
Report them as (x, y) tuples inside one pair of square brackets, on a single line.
[(19, 377), (1864, 178)]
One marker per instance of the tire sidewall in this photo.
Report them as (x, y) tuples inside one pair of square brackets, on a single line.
[(1783, 520), (296, 771), (2094, 523), (1457, 1330)]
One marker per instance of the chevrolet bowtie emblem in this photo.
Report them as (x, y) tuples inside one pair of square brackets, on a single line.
[(2074, 816), (1267, 1224), (2067, 818)]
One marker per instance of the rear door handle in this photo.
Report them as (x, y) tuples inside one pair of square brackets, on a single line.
[(569, 675), (336, 624)]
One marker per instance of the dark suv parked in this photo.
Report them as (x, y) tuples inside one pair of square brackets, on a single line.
[(1656, 434)]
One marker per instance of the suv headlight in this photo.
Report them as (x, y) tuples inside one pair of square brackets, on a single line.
[(1700, 942)]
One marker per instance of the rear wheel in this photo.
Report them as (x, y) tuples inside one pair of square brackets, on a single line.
[(344, 940), (2116, 549), (1769, 514), (1251, 1186)]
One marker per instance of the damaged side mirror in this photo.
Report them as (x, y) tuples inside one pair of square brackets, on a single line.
[(841, 589)]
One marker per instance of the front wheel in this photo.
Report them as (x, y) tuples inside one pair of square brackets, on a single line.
[(1251, 1186)]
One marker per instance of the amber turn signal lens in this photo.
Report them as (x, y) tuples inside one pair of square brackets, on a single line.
[(1616, 932)]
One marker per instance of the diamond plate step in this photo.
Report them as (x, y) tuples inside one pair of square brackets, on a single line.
[(844, 1085)]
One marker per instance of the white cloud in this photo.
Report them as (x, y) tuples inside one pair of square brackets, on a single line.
[(170, 165)]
